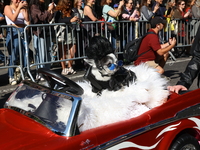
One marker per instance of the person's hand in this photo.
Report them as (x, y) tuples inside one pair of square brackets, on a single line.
[(23, 4), (172, 41), (121, 3), (51, 7), (156, 7), (74, 19), (176, 88)]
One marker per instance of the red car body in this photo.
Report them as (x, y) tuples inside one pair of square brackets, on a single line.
[(155, 129)]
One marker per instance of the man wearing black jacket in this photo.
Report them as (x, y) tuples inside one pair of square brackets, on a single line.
[(193, 68)]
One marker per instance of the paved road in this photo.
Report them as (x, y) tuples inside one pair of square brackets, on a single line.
[(172, 70)]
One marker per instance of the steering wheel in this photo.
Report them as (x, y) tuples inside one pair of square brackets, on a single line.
[(60, 82)]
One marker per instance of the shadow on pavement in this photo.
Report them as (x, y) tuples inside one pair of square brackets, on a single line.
[(173, 74), (5, 79), (3, 99)]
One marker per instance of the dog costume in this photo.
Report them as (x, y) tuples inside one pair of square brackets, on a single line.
[(117, 93)]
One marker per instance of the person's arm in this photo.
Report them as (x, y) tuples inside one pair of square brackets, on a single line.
[(171, 44), (88, 12), (186, 14), (135, 15), (39, 16), (144, 10), (194, 12), (26, 16), (9, 13), (2, 17), (116, 13)]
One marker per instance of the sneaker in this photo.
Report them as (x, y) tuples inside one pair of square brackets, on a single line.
[(38, 77), (65, 71), (17, 75), (71, 71), (12, 81)]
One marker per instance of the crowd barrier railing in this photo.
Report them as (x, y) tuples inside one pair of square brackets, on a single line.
[(8, 49), (45, 43)]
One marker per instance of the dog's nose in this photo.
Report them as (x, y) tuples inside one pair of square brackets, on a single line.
[(120, 63), (112, 67)]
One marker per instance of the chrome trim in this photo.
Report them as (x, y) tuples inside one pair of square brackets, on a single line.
[(71, 126), (186, 113)]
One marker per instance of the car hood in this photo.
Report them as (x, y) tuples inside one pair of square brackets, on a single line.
[(19, 130)]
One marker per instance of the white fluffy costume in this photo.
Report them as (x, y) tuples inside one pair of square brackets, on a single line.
[(137, 96), (148, 91)]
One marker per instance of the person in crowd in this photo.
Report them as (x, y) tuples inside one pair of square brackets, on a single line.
[(110, 15), (42, 44), (132, 14), (192, 70), (146, 12), (2, 19), (89, 12), (65, 14), (90, 15), (78, 8), (161, 10), (169, 28), (189, 5), (179, 13), (154, 51), (129, 12), (195, 15), (79, 63), (16, 14)]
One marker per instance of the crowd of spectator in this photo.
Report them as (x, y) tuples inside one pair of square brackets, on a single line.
[(21, 13)]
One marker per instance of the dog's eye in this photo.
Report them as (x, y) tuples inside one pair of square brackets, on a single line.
[(109, 64)]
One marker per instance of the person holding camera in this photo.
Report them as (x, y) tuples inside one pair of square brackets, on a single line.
[(16, 14), (152, 52)]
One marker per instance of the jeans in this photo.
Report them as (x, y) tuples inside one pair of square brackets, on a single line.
[(12, 43), (42, 49)]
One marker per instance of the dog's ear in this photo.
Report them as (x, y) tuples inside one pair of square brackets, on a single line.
[(90, 62)]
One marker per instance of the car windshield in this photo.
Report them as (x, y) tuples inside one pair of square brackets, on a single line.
[(50, 108)]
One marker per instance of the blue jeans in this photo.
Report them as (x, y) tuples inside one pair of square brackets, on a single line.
[(42, 49), (12, 43)]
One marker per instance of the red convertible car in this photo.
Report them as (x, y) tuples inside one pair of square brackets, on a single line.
[(31, 120)]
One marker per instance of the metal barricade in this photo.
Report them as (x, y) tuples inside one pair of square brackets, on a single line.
[(12, 57), (55, 39), (124, 32)]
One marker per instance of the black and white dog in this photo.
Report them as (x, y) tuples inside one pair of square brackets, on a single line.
[(105, 71)]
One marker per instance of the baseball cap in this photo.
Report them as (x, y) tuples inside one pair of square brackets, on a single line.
[(116, 5), (156, 20)]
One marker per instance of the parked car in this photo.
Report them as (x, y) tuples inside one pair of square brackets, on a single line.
[(40, 117)]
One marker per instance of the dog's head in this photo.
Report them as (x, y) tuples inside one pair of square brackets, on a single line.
[(100, 55)]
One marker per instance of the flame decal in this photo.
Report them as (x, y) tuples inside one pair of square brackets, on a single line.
[(169, 128), (131, 144), (196, 121), (128, 144)]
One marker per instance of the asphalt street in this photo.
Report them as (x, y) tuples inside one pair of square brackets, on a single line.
[(173, 69)]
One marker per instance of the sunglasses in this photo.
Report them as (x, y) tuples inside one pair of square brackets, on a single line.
[(131, 3), (183, 4)]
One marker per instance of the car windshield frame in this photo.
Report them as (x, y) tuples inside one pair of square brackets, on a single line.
[(54, 109)]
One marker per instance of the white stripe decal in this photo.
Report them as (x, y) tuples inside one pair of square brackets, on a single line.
[(197, 121), (130, 144), (169, 128)]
